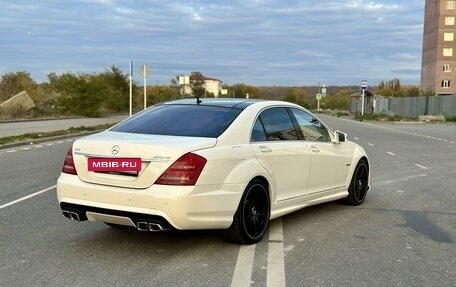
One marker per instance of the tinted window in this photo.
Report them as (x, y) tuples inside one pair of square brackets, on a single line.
[(258, 133), (278, 125), (311, 128), (180, 120)]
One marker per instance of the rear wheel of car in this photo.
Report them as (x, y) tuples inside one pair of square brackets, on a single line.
[(359, 184), (252, 216)]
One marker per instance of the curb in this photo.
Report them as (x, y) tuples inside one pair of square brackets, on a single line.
[(37, 120), (57, 118), (37, 141)]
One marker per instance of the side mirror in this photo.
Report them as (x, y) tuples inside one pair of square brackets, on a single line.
[(340, 137)]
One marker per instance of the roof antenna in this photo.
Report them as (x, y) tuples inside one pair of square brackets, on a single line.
[(198, 101)]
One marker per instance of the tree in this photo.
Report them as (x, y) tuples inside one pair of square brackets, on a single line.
[(338, 101), (297, 96), (389, 89), (79, 95), (197, 84), (412, 92), (428, 93), (158, 94), (242, 90), (13, 83), (116, 89)]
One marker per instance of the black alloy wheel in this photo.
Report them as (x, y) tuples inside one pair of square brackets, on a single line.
[(359, 185), (252, 216)]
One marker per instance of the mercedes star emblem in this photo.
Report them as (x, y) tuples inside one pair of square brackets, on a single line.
[(115, 150)]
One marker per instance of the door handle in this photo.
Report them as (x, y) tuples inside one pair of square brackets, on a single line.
[(314, 149), (265, 149)]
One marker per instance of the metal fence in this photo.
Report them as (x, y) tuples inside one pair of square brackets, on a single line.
[(407, 107)]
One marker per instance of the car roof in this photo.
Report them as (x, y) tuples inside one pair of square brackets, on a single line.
[(236, 103)]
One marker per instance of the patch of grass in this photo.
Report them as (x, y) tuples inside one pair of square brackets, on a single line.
[(450, 118), (383, 117), (70, 131)]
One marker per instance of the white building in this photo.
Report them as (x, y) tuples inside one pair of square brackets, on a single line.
[(211, 85)]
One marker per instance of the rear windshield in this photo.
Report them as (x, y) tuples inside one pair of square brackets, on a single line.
[(180, 120)]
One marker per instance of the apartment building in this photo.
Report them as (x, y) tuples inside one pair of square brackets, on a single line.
[(438, 67)]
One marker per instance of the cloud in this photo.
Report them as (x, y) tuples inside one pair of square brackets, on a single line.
[(256, 42)]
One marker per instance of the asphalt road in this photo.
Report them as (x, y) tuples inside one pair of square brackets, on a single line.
[(22, 127), (404, 234)]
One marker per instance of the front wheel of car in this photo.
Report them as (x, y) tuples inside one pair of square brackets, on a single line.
[(252, 216), (359, 184)]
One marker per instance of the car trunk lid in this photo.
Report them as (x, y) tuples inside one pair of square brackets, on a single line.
[(156, 152)]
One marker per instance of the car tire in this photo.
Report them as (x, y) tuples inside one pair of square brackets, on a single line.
[(359, 184), (252, 215)]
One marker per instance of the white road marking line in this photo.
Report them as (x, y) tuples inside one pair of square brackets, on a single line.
[(370, 144), (356, 138), (421, 166), (390, 153), (407, 178), (242, 275), (37, 146), (26, 148), (60, 142), (27, 197), (276, 260), (50, 144), (400, 191), (11, 150), (409, 133)]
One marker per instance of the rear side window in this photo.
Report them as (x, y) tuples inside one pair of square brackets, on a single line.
[(180, 120), (278, 125)]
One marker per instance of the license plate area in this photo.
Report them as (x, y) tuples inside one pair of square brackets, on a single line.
[(121, 165)]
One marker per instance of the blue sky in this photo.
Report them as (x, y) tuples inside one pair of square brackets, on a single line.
[(257, 42)]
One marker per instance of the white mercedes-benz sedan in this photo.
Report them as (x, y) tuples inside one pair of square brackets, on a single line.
[(231, 164)]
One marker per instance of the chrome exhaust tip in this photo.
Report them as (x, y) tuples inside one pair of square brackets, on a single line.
[(71, 215), (155, 227), (148, 226), (66, 214), (75, 216), (142, 226)]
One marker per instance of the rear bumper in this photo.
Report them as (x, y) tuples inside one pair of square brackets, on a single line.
[(182, 207)]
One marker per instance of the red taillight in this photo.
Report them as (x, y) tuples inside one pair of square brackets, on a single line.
[(185, 171), (68, 165)]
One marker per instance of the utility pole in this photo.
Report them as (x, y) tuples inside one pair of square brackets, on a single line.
[(131, 86), (363, 88), (145, 72)]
